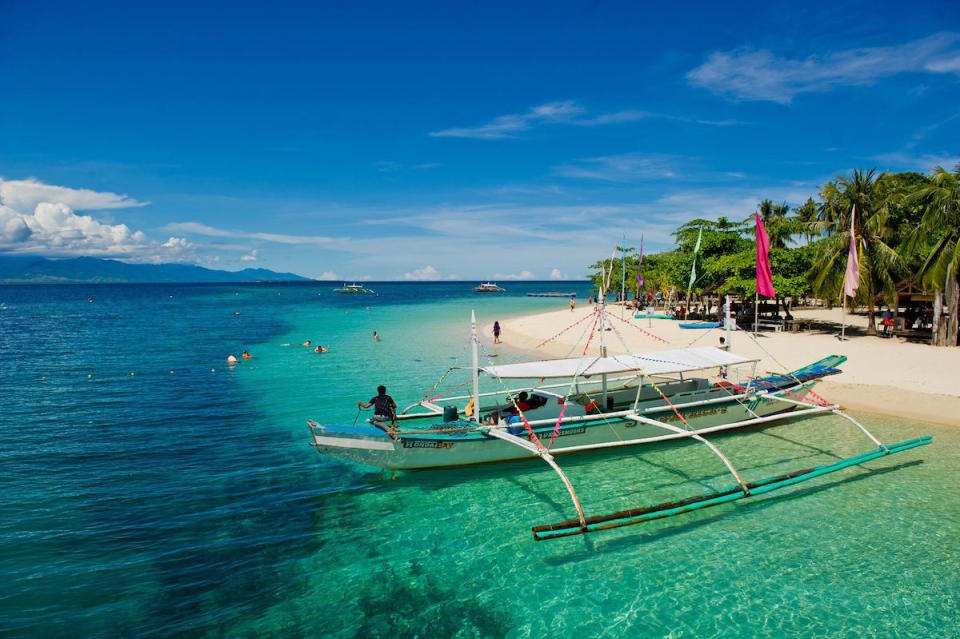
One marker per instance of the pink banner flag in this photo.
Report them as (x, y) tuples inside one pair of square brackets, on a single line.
[(852, 279), (764, 276), (639, 264)]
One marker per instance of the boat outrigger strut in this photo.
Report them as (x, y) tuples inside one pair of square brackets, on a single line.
[(622, 518)]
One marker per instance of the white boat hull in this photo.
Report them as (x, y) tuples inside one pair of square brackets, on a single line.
[(370, 446)]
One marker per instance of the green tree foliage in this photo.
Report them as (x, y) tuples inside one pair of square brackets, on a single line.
[(880, 264), (907, 230)]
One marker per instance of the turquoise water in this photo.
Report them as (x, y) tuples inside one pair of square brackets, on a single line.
[(190, 503)]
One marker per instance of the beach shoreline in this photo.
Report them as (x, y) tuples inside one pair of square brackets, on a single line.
[(882, 376)]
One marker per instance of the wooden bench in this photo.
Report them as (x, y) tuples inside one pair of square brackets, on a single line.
[(775, 325)]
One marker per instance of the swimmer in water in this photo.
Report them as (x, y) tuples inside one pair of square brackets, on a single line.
[(306, 343), (321, 349), (236, 313), (247, 355), (231, 359)]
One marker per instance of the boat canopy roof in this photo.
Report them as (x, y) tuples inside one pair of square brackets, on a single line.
[(653, 363)]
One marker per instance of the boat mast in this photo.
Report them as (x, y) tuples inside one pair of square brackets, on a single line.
[(603, 344), (476, 369)]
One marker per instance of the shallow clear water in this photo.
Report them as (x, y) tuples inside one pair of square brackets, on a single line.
[(190, 503)]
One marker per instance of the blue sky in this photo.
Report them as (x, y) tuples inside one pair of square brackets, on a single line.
[(433, 141)]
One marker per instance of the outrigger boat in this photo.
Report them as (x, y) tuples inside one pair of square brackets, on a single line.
[(610, 401), (354, 289), (489, 287)]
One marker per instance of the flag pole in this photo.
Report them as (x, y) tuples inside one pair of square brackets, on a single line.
[(843, 324), (623, 276), (756, 312)]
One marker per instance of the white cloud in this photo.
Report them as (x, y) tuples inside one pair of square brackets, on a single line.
[(758, 74), (522, 275), (25, 195), (197, 228), (328, 276), (557, 274), (176, 243), (619, 168), (922, 162), (251, 256), (41, 219), (427, 273), (13, 226), (565, 112)]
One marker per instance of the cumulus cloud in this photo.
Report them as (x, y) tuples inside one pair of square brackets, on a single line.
[(251, 256), (557, 274), (328, 276), (426, 273), (25, 195), (759, 74), (42, 218)]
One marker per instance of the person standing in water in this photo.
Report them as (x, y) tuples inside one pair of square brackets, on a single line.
[(496, 332), (376, 336)]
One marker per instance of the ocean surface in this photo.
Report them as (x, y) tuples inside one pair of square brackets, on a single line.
[(150, 490)]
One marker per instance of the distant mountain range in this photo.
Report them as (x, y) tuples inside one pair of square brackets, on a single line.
[(34, 270)]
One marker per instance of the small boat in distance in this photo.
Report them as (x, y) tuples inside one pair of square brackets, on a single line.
[(551, 294), (489, 287), (354, 289)]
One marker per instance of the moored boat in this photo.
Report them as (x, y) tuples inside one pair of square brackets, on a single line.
[(639, 398), (489, 287), (354, 289)]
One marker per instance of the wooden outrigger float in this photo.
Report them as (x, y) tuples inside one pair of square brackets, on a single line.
[(640, 398)]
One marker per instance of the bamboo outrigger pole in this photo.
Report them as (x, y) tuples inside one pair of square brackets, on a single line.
[(476, 367)]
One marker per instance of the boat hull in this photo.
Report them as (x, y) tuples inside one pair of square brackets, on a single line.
[(371, 446)]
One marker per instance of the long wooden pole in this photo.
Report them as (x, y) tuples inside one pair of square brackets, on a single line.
[(756, 312), (476, 367), (843, 322)]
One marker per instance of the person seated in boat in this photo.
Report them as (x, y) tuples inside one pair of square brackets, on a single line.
[(523, 401), (384, 410)]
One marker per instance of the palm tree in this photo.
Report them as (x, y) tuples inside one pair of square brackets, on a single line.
[(879, 262), (779, 226), (805, 218), (941, 220)]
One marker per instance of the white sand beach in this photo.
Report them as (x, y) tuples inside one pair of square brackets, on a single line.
[(882, 375)]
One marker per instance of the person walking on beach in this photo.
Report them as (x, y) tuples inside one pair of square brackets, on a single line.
[(573, 303), (496, 332), (384, 410)]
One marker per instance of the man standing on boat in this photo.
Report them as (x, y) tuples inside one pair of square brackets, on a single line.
[(384, 410)]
